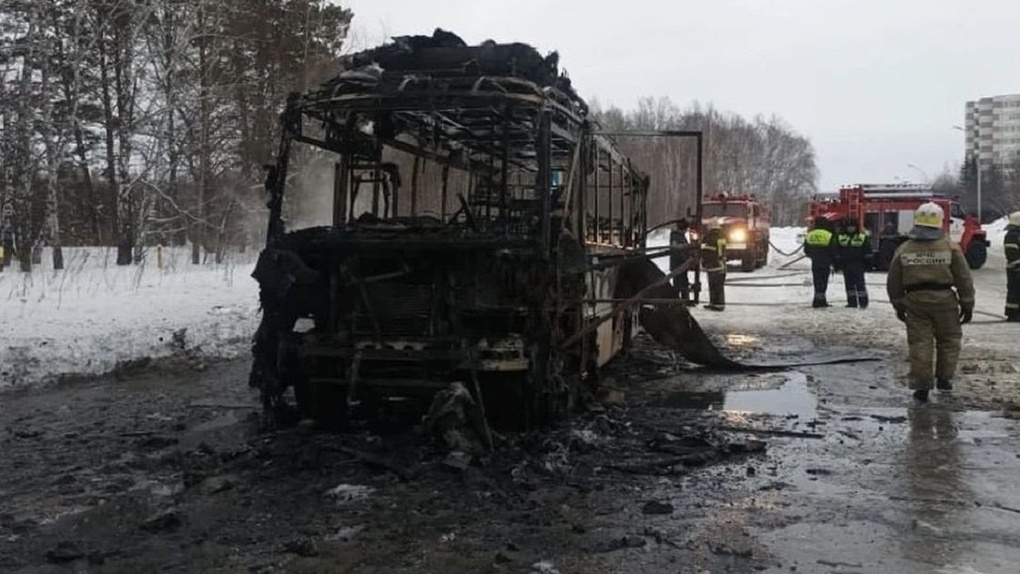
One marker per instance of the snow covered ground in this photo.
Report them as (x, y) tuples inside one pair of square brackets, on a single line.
[(93, 314)]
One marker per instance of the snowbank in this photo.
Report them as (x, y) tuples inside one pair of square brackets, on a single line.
[(996, 232), (93, 314)]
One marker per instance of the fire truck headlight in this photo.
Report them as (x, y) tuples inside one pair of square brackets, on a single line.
[(738, 235)]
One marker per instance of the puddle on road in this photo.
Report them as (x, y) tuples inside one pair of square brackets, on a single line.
[(791, 397), (740, 340)]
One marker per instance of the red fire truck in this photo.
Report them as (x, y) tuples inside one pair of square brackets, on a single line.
[(745, 224), (887, 210)]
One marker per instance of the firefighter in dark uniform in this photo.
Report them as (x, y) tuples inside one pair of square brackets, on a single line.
[(679, 252), (853, 250), (930, 287), (713, 262), (819, 246), (1011, 247)]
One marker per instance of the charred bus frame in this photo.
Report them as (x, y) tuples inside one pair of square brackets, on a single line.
[(481, 270)]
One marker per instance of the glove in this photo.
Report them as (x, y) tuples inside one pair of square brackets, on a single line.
[(966, 314), (901, 312)]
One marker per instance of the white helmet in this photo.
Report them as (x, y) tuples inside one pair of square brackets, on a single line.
[(1014, 218), (714, 223), (929, 215)]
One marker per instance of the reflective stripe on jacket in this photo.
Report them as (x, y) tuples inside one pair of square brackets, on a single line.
[(819, 247), (851, 239), (1011, 246), (713, 251), (853, 247), (818, 238)]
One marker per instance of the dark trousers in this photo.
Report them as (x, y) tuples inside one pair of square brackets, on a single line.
[(856, 288), (820, 277), (1013, 295), (717, 288)]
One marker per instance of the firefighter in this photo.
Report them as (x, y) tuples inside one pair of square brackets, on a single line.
[(853, 250), (818, 245), (930, 287), (1011, 246), (680, 251), (713, 262)]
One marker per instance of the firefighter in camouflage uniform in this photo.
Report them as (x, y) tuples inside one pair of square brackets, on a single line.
[(1011, 246), (713, 262), (930, 286)]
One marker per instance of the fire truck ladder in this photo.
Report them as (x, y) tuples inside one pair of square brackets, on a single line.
[(854, 207)]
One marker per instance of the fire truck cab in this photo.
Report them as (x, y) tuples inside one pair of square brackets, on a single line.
[(745, 225), (886, 211)]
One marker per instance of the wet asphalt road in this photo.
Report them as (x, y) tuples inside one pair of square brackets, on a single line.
[(165, 472), (914, 489)]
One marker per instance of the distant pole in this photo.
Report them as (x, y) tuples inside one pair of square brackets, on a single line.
[(920, 171), (977, 170), (977, 167)]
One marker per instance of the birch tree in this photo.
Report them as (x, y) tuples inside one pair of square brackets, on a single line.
[(21, 50), (130, 122)]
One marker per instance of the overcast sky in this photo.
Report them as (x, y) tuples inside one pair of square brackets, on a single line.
[(875, 84)]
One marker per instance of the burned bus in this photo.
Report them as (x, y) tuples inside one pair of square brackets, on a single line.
[(440, 213)]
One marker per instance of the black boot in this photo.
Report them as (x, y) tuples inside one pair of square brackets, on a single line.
[(851, 299), (864, 302), (818, 303), (944, 385), (921, 395)]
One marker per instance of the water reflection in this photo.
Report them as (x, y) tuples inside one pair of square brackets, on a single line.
[(936, 491), (791, 398), (740, 340)]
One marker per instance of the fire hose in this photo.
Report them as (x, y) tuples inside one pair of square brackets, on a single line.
[(783, 253), (672, 325), (998, 318)]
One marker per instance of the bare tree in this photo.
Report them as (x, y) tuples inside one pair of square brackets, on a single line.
[(21, 160), (763, 157), (128, 122)]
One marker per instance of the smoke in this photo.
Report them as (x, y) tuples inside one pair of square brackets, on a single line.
[(308, 199)]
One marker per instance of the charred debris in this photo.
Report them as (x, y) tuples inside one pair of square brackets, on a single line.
[(473, 228)]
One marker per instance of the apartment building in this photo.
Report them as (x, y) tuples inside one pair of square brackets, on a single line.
[(992, 128)]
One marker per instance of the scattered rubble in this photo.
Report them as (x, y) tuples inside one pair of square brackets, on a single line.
[(64, 552), (544, 568), (301, 547), (455, 419), (161, 521), (656, 507), (346, 533), (217, 484), (345, 493)]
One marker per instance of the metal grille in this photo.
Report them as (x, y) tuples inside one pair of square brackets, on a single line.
[(399, 308)]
